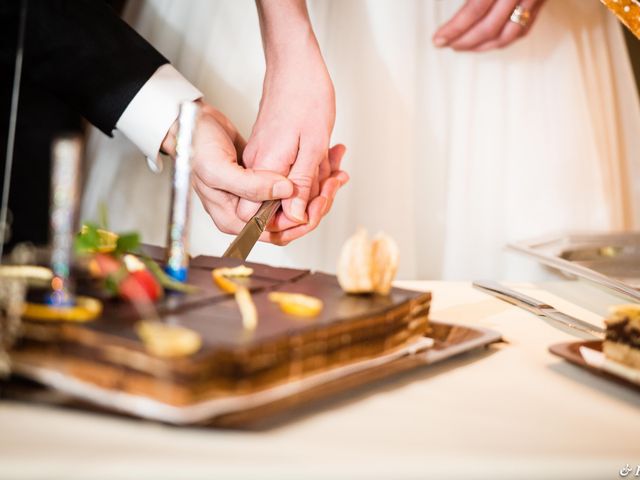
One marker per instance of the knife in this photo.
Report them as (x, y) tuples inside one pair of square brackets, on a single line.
[(539, 308), (249, 235)]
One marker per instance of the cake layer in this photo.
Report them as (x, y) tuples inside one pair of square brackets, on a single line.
[(622, 353)]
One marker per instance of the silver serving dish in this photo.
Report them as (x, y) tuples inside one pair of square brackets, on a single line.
[(611, 260)]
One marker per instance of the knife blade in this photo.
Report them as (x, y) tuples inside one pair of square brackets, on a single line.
[(241, 246), (539, 308)]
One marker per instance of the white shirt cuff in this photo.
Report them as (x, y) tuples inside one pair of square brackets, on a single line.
[(148, 117)]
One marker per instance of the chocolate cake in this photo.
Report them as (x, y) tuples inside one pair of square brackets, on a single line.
[(107, 351), (622, 341)]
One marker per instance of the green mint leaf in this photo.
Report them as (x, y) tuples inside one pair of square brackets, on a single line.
[(128, 242), (88, 239)]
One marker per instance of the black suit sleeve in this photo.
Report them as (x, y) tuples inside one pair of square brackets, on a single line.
[(83, 53)]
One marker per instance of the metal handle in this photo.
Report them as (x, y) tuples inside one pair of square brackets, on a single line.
[(511, 296), (265, 212)]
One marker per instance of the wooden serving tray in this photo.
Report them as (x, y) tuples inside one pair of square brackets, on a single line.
[(570, 351), (243, 411)]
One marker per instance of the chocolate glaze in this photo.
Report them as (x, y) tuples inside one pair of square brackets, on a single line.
[(623, 331), (279, 274)]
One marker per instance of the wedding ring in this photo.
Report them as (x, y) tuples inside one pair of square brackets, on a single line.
[(520, 15)]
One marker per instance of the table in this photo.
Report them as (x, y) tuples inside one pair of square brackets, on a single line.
[(511, 411)]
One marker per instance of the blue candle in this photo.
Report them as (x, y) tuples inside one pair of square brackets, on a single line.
[(177, 265)]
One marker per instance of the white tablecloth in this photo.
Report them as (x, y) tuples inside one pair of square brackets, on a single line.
[(512, 411)]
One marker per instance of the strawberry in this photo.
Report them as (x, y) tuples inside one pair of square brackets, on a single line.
[(103, 265), (140, 286)]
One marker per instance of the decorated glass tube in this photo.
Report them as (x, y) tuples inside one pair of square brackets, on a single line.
[(65, 181), (177, 265)]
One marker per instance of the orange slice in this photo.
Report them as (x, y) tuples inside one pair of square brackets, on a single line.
[(297, 303), (85, 309), (168, 341), (223, 277)]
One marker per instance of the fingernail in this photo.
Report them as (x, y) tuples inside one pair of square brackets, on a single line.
[(282, 189), (298, 207), (439, 42)]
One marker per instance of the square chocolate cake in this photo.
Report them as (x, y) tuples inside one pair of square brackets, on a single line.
[(108, 352)]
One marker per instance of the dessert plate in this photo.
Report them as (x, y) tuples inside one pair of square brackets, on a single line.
[(445, 341), (588, 355)]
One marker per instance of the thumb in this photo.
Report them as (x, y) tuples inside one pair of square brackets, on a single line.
[(254, 185)]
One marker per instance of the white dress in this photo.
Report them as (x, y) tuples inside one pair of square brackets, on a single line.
[(454, 154)]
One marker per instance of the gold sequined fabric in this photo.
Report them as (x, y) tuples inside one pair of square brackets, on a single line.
[(628, 11)]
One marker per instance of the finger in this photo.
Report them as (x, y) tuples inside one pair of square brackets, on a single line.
[(512, 31), (276, 162), (281, 222), (303, 175), (221, 208), (249, 155), (343, 177), (335, 156), (330, 192), (488, 28), (255, 185), (316, 207), (247, 209), (468, 15)]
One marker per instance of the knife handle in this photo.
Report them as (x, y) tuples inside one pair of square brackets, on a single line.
[(508, 295), (266, 212)]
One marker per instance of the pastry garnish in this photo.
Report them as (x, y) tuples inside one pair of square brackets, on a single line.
[(93, 239), (368, 265), (85, 309), (26, 272), (247, 308), (135, 278), (168, 341), (227, 280), (224, 277), (297, 303)]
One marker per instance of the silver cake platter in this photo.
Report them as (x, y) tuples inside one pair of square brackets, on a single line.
[(611, 260)]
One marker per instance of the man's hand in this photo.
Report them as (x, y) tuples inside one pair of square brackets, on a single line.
[(218, 179), (482, 25), (297, 112)]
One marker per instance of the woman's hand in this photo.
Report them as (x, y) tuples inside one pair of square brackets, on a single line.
[(297, 111), (482, 25)]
